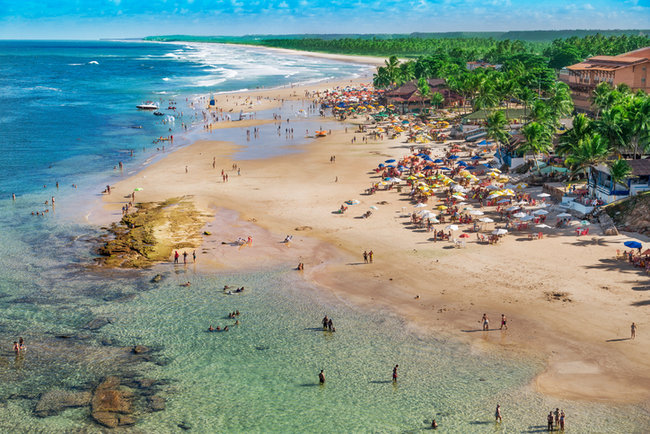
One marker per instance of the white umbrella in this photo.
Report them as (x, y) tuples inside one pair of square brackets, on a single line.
[(459, 188), (476, 212), (564, 214), (373, 207), (420, 205), (492, 187), (451, 228), (504, 201), (543, 226), (486, 220), (519, 215), (499, 231), (540, 212), (527, 218), (543, 195), (512, 208)]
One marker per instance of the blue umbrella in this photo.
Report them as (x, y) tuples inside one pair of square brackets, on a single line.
[(381, 165), (470, 168), (438, 160), (389, 161), (483, 142), (633, 244), (445, 168), (461, 163), (454, 157), (428, 167), (476, 157), (391, 166), (426, 158)]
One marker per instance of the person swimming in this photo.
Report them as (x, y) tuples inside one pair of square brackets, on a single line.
[(210, 329)]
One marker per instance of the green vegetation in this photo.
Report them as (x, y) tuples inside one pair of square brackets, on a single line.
[(463, 46)]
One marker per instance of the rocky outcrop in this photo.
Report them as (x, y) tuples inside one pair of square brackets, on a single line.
[(633, 214), (55, 401), (607, 224), (112, 404)]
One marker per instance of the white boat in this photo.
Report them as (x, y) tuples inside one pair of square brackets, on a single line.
[(148, 106)]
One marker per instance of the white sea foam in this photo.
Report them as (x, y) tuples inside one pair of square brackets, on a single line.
[(166, 79), (93, 62)]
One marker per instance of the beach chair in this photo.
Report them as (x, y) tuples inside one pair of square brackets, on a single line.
[(585, 232), (530, 236)]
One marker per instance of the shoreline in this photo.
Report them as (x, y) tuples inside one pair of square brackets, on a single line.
[(268, 196)]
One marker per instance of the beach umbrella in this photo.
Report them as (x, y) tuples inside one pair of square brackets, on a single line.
[(496, 170), (563, 215), (519, 215), (486, 220), (476, 212), (438, 160), (464, 236), (543, 195), (503, 200), (512, 208), (389, 161), (499, 232), (373, 207), (527, 218), (543, 226), (633, 244), (492, 187), (445, 168), (451, 228), (540, 212), (420, 205), (459, 188), (442, 207), (454, 157), (585, 223), (476, 157)]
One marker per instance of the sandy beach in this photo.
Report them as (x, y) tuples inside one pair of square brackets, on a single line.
[(580, 334)]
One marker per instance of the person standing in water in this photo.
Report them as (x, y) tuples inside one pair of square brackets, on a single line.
[(395, 373), (497, 414), (321, 377), (504, 322)]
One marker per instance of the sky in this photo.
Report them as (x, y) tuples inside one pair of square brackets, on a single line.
[(84, 19)]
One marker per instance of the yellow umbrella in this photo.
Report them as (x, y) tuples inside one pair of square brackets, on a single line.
[(442, 207)]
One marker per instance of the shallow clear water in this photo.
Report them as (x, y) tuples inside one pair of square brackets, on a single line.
[(260, 376)]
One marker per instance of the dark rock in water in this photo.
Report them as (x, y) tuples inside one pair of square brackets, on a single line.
[(185, 426), (108, 342), (55, 401), (140, 349), (63, 336), (146, 383), (157, 278), (98, 323), (157, 403), (111, 405)]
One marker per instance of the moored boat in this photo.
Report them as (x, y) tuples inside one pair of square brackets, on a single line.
[(149, 105)]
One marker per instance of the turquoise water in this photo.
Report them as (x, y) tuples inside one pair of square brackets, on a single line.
[(261, 376)]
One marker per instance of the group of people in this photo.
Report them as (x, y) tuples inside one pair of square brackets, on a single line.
[(231, 315), (185, 254), (19, 346), (368, 256), (486, 322), (328, 324), (555, 420)]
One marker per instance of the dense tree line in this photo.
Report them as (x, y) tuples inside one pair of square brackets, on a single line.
[(564, 52)]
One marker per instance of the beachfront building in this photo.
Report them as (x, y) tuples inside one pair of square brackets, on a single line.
[(408, 97), (632, 69), (601, 185)]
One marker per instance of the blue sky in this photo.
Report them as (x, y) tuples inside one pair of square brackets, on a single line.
[(79, 19)]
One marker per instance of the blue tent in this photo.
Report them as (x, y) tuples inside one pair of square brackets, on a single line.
[(633, 244)]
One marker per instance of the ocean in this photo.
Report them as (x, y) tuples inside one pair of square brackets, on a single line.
[(67, 116)]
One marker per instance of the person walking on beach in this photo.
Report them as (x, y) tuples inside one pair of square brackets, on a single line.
[(321, 377), (365, 256), (330, 325), (325, 321), (194, 256), (176, 255), (632, 331), (486, 322), (497, 414), (395, 373), (370, 256), (184, 257), (504, 322), (549, 421), (562, 420)]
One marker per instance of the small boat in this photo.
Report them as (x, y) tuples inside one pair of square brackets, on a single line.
[(149, 105), (321, 133), (158, 113), (171, 107)]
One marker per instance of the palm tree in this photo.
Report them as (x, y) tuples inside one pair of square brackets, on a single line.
[(538, 139), (600, 97), (581, 128), (527, 96), (618, 171), (381, 78), (611, 126), (559, 101), (637, 123), (496, 123), (589, 151), (392, 68), (423, 89), (437, 99)]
